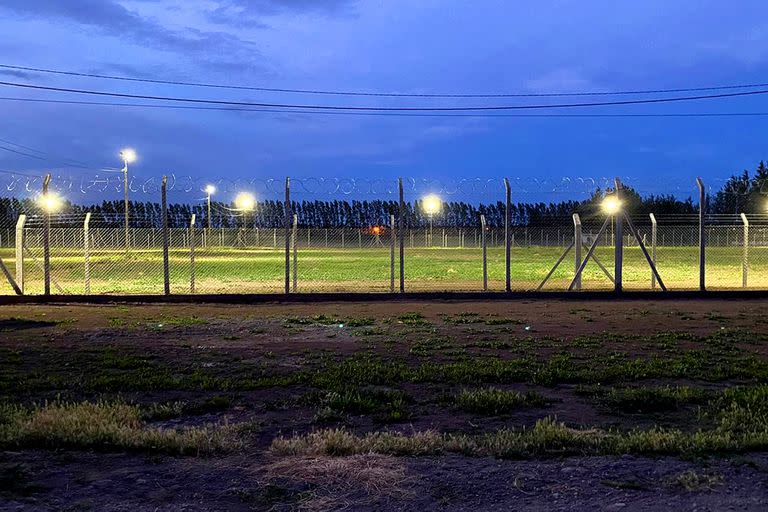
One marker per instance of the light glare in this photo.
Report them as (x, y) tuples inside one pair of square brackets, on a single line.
[(245, 201), (50, 202), (210, 190), (611, 205), (431, 204), (128, 155)]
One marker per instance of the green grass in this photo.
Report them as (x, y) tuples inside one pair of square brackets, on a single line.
[(719, 357), (169, 410), (232, 270), (330, 320), (740, 425), (494, 401), (386, 405)]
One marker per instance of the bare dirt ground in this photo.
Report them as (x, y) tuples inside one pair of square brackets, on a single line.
[(291, 369)]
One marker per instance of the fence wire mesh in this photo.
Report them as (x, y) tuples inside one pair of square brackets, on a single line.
[(353, 245)]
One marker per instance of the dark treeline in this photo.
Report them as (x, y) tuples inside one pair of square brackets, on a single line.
[(741, 193), (330, 214)]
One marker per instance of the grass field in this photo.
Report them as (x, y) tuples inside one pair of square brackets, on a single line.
[(227, 270), (401, 405)]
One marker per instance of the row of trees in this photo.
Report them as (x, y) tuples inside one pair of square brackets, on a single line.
[(741, 193), (330, 214)]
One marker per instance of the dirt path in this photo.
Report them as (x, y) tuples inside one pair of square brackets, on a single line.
[(547, 317)]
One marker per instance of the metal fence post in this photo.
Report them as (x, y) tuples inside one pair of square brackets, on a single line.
[(400, 227), (192, 254), (287, 235), (166, 266), (653, 249), (294, 237), (485, 253), (619, 241), (47, 238), (702, 234), (745, 254), (87, 251), (392, 240), (577, 240), (507, 240), (22, 220)]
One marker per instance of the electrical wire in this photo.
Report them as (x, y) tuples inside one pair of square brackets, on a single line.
[(381, 94), (384, 114), (385, 109), (46, 156), (11, 150)]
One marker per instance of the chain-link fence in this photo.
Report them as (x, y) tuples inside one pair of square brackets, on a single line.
[(274, 246)]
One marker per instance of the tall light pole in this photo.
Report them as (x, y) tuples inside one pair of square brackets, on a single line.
[(129, 156), (209, 190), (431, 205), (49, 202)]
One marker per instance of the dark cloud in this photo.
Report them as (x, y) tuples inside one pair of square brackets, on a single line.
[(249, 13), (113, 19)]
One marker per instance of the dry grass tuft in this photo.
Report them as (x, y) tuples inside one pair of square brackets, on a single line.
[(361, 480), (693, 481), (740, 429), (105, 426)]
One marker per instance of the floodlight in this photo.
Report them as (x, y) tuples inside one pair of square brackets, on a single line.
[(50, 202), (128, 155), (210, 189), (431, 204), (245, 201), (611, 205)]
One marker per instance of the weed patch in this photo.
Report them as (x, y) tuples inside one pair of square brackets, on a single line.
[(412, 318), (494, 401)]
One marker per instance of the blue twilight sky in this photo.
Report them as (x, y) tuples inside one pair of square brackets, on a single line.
[(400, 46)]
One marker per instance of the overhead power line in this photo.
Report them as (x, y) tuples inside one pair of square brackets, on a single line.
[(11, 150), (384, 114), (42, 155), (383, 94), (385, 109), (47, 156)]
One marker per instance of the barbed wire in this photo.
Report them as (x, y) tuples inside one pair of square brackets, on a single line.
[(73, 186)]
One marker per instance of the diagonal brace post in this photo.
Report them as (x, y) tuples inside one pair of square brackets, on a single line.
[(602, 267), (645, 251), (589, 254), (10, 279), (559, 261)]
